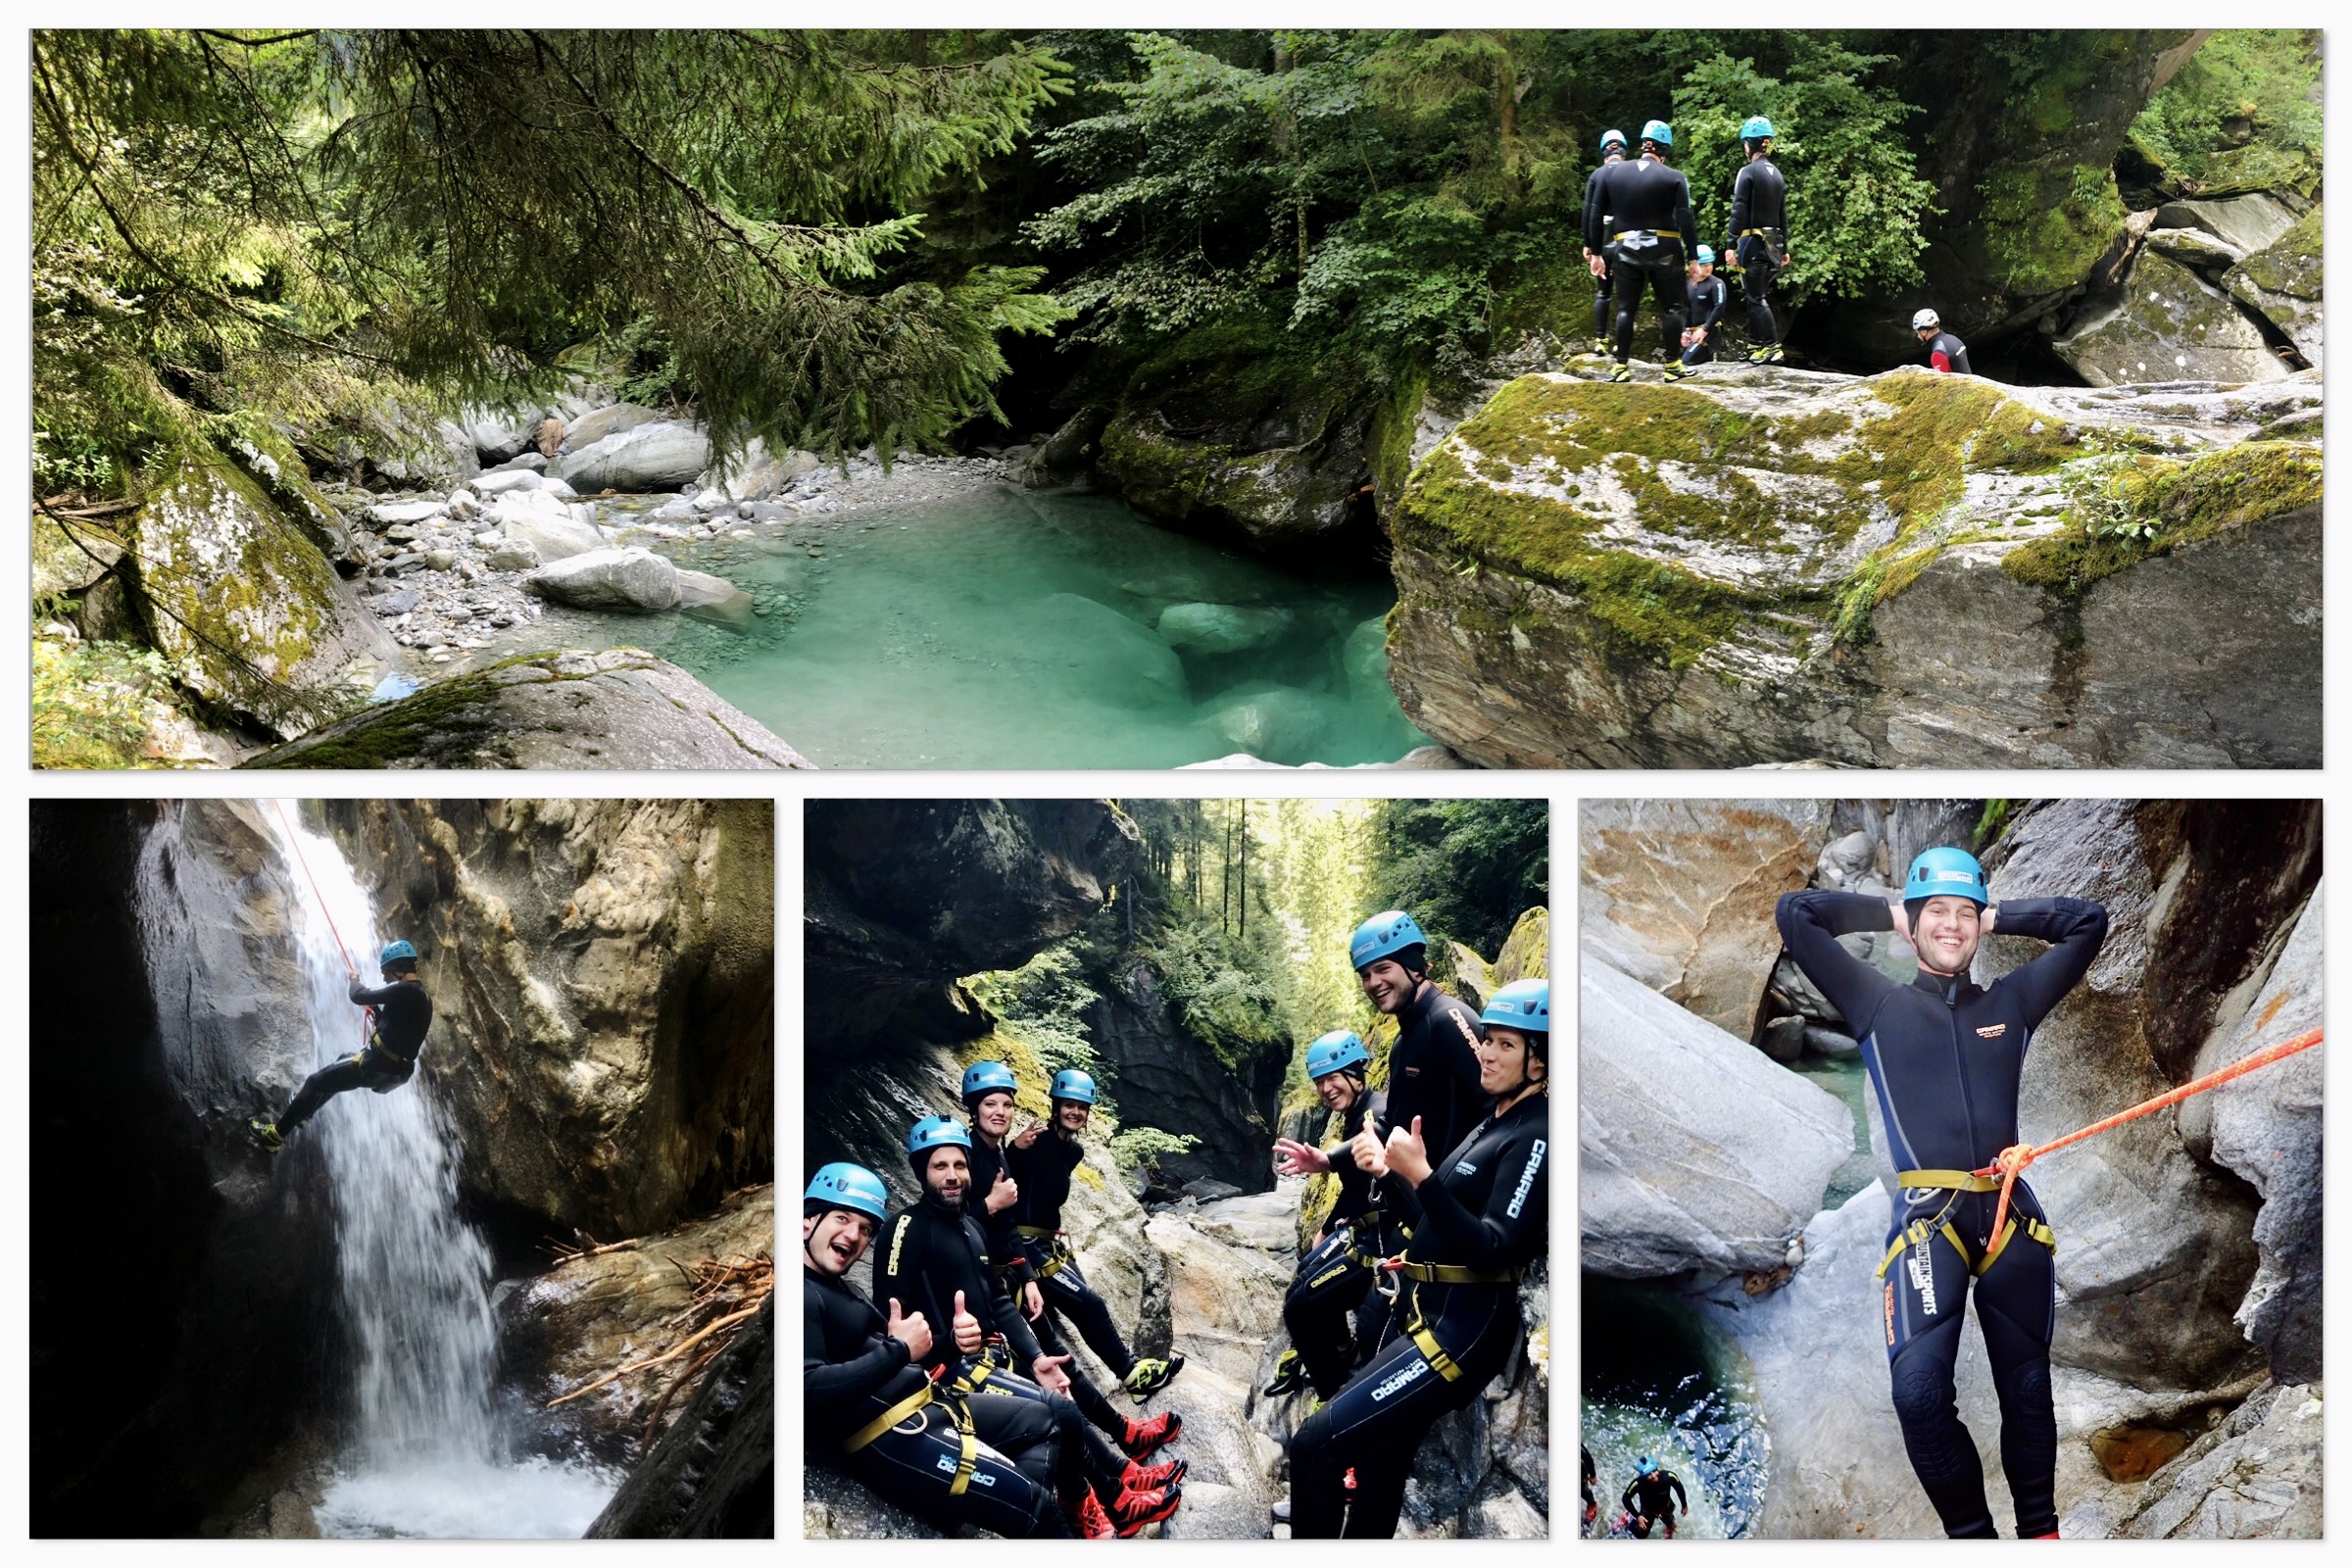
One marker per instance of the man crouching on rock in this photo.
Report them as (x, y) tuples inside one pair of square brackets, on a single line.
[(1946, 1058)]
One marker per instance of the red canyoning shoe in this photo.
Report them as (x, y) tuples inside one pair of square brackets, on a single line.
[(1089, 1521), (1136, 1509), (1142, 1439), (1140, 1477)]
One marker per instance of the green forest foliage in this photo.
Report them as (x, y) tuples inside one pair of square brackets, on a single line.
[(1465, 869), (2245, 109)]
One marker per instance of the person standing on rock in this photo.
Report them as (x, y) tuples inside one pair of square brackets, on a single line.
[(399, 1012), (994, 1200), (935, 1261), (1597, 236), (1336, 1276), (1432, 1068), (1707, 293), (1650, 1498), (1945, 1057), (1042, 1164), (1947, 354), (1758, 244), (1484, 1218), (866, 1401), (1650, 231)]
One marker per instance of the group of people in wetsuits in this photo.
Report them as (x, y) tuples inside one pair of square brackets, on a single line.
[(1639, 233), (951, 1392)]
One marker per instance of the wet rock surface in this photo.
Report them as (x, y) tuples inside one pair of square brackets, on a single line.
[(713, 1473)]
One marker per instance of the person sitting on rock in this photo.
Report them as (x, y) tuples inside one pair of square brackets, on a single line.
[(1484, 1217), (1947, 354), (935, 1261), (1041, 1165), (1432, 1068), (994, 1200), (399, 1012), (1945, 1057), (1706, 294), (1336, 1276), (867, 1404), (1652, 1498)]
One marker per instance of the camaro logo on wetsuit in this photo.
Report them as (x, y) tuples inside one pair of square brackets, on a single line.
[(1993, 1031), (1464, 1168), (898, 1238), (1890, 1311), (1527, 1178), (1326, 1277), (1416, 1369), (1923, 1278)]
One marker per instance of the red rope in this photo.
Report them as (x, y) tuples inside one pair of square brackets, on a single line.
[(295, 840), (2016, 1156)]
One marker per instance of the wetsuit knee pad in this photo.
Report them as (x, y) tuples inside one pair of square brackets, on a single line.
[(1919, 1378)]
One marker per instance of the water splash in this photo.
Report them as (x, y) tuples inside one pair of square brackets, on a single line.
[(1659, 1381), (428, 1454)]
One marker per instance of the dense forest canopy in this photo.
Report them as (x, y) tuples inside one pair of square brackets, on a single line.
[(835, 238)]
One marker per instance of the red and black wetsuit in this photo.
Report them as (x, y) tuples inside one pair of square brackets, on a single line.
[(1946, 1058), (1948, 355)]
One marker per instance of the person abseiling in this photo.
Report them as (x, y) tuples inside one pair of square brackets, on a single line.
[(1945, 1057), (1651, 233), (1043, 1169), (1432, 1068), (1651, 1496), (399, 1012), (1947, 354), (1597, 236), (1484, 1208), (1758, 244), (934, 1260), (994, 1200), (1336, 1276), (869, 1406), (1707, 295)]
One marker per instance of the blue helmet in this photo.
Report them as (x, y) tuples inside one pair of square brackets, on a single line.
[(841, 1185), (1659, 131), (1704, 256), (1071, 1084), (986, 1078), (1612, 138), (936, 1131), (393, 952), (1336, 1052), (1523, 1004), (1390, 932), (1645, 1465), (1755, 127), (1946, 871)]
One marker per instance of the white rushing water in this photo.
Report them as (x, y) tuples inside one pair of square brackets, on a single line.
[(428, 1455)]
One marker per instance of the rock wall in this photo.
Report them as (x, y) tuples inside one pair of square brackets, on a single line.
[(1171, 1080), (1908, 571), (602, 977), (713, 1473)]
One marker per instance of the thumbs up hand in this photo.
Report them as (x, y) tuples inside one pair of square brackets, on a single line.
[(969, 1336), (1366, 1151), (911, 1332), (1002, 1192), (1408, 1158)]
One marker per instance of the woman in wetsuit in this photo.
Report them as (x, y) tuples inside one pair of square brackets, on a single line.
[(1484, 1215), (1335, 1278)]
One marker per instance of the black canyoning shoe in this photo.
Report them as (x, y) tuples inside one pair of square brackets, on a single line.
[(265, 1134), (1622, 372), (1290, 1375), (1600, 347), (1151, 1375), (1765, 354), (1677, 370)]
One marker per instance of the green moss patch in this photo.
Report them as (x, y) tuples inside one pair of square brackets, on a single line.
[(2172, 504)]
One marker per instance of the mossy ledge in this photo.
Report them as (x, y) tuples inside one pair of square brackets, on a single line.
[(428, 720)]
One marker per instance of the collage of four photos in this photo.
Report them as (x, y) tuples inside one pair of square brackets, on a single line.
[(1174, 558)]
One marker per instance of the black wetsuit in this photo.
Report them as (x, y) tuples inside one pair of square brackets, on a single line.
[(1759, 238), (1648, 1501), (1043, 1171), (1334, 1278), (1484, 1208), (853, 1372), (1003, 1233), (924, 1257), (1651, 233), (1949, 353), (1946, 1058), (1433, 1074), (402, 1013), (1584, 1488), (1597, 238), (1707, 297)]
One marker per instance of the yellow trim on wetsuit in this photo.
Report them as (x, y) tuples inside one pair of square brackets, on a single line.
[(1965, 1181), (1058, 1252), (1427, 1343), (1455, 1274)]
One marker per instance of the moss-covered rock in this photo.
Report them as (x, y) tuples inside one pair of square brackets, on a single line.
[(241, 602), (1708, 574), (2285, 281), (2169, 324)]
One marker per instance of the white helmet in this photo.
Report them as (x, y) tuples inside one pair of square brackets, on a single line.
[(1924, 320)]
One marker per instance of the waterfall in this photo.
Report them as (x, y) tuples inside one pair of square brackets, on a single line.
[(428, 1455)]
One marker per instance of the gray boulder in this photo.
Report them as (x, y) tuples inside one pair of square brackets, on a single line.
[(387, 513), (497, 435), (2285, 281), (1263, 719), (2170, 325), (661, 455), (544, 524), (503, 480), (755, 472), (590, 428), (2248, 223), (620, 709), (513, 555), (1698, 1153), (2257, 1476), (1222, 628), (608, 579)]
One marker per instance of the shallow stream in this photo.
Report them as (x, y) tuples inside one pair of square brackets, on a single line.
[(1659, 1382)]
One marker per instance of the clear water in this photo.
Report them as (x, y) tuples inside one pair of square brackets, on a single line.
[(428, 1454), (1012, 629), (1658, 1381), (1847, 1079)]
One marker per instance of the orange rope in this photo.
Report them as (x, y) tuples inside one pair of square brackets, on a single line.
[(2016, 1156), (295, 840)]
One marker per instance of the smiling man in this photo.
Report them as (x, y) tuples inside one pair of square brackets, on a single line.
[(1945, 1057), (1335, 1278)]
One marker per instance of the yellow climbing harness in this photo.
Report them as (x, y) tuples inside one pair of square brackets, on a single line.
[(967, 1439), (1957, 1182), (1057, 1254)]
